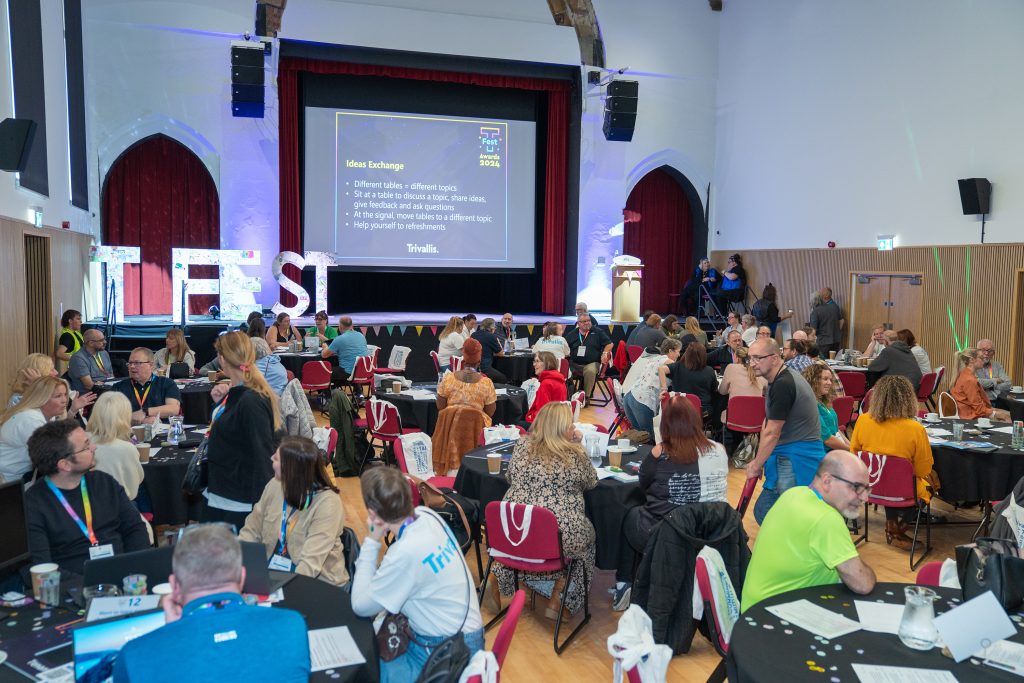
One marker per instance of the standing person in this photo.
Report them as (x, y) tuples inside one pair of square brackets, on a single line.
[(211, 634), (322, 328), (44, 400), (241, 437), (450, 341), (641, 389), (151, 396), (490, 346), (766, 310), (552, 342), (422, 576), (300, 517), (176, 350), (468, 386), (992, 376), (70, 339), (691, 375), (91, 364), (110, 431), (347, 346), (703, 276), (828, 322), (734, 283), (790, 447), (552, 384), (282, 332), (588, 349)]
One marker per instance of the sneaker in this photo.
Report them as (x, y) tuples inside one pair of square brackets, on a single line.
[(620, 601)]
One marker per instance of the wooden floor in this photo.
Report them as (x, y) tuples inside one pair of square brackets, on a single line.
[(532, 656)]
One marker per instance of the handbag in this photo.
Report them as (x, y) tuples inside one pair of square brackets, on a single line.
[(992, 564), (196, 474), (746, 451), (449, 508), (393, 636)]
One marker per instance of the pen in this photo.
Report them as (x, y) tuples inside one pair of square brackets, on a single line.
[(1000, 665)]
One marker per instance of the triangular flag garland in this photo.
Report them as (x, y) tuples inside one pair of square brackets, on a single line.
[(433, 330), (611, 327), (529, 329), (402, 329), (419, 330), (364, 330), (376, 329), (390, 329)]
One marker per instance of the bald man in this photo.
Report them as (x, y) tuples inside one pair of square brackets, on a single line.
[(90, 365), (804, 540), (347, 346)]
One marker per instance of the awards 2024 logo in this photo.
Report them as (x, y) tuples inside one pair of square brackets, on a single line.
[(490, 146)]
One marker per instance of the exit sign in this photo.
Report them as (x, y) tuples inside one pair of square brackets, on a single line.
[(885, 242)]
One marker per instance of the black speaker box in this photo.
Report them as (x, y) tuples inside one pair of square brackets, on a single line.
[(247, 56), (618, 127), (974, 195), (624, 89), (247, 75), (247, 93), (15, 141)]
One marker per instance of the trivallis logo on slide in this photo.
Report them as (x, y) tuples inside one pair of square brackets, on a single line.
[(421, 248)]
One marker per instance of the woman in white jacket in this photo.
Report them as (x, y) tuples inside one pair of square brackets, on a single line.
[(44, 399)]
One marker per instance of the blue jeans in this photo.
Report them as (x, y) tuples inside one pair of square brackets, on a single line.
[(408, 667), (784, 480), (639, 415)]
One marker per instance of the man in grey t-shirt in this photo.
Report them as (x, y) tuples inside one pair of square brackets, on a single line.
[(827, 320), (790, 447)]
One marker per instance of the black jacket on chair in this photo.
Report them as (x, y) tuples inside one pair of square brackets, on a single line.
[(665, 580)]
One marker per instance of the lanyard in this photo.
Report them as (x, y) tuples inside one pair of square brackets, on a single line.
[(401, 529), (218, 410), (583, 337), (990, 372), (86, 526), (282, 542), (99, 361), (214, 604), (145, 394)]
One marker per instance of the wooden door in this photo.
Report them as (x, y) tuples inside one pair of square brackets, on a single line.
[(39, 323), (870, 297), (905, 302)]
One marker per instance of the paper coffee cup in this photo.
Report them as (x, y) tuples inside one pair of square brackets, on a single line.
[(143, 449), (615, 457), (1016, 388), (139, 431), (931, 417), (831, 355), (396, 387), (212, 375), (494, 463), (42, 577), (623, 443), (983, 422)]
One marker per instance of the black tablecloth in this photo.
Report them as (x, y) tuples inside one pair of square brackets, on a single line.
[(977, 475), (163, 475), (295, 361), (1013, 403), (606, 503), (321, 604), (196, 404), (762, 648), (517, 367), (510, 407)]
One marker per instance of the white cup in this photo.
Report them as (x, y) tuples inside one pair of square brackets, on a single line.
[(983, 422), (623, 444), (931, 417), (1017, 389)]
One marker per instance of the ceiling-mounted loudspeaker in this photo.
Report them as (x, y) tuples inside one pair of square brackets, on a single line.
[(15, 142), (975, 195), (620, 110)]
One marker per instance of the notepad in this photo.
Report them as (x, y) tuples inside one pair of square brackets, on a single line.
[(333, 648), (814, 618)]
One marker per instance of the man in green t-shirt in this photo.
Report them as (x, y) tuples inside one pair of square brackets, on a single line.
[(322, 329), (804, 540)]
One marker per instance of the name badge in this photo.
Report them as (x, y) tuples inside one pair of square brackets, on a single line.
[(280, 563), (97, 552), (581, 351)]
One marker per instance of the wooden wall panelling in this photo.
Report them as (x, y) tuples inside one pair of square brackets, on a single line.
[(1016, 366), (975, 282)]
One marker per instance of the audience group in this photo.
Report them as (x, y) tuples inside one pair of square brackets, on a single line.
[(67, 433)]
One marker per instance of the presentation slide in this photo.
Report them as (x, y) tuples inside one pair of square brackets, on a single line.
[(403, 191)]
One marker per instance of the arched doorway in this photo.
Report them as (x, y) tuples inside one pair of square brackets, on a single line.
[(664, 228), (158, 195)]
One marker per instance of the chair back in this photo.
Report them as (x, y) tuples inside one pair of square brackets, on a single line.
[(892, 480), (746, 495), (707, 596), (940, 372), (399, 450), (694, 400), (634, 352), (745, 414), (332, 441), (524, 537), (928, 575), (928, 383), (855, 384), (316, 375), (563, 367), (399, 357), (843, 405), (455, 363), (382, 419), (289, 374), (948, 406), (576, 403), (373, 351), (437, 361), (508, 627), (362, 371), (865, 403)]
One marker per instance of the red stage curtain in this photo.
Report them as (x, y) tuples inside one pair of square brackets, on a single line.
[(556, 183), (662, 239), (158, 195)]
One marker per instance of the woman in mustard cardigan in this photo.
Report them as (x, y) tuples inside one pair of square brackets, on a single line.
[(889, 428)]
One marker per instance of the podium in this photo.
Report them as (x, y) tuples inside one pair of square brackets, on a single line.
[(626, 280)]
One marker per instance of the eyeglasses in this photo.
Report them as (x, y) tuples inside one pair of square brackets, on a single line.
[(139, 362), (758, 359), (87, 447), (764, 334), (858, 488)]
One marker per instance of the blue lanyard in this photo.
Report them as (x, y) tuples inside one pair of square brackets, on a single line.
[(282, 542), (401, 529)]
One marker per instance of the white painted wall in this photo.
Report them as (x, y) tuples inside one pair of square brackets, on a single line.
[(841, 120), (14, 201)]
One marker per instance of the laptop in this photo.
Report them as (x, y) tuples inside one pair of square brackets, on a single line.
[(96, 645)]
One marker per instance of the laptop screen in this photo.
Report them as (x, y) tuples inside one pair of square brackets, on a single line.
[(96, 645)]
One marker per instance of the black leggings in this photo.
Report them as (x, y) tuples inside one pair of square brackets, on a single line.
[(635, 537)]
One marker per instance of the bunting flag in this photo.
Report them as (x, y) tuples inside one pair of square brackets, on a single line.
[(419, 330), (529, 329), (611, 327), (433, 330), (376, 329), (364, 330), (390, 329), (402, 329)]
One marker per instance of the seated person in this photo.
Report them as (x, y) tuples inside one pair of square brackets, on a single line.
[(993, 377), (45, 399), (794, 353), (34, 366), (641, 388), (450, 341), (176, 350), (686, 467), (322, 329), (692, 327), (877, 343), (75, 513), (422, 575), (732, 322), (733, 285), (889, 428), (748, 323), (739, 379), (211, 634), (468, 386), (152, 397), (724, 355), (552, 384), (582, 309), (469, 325), (896, 359), (704, 276), (552, 342), (490, 346), (649, 333), (282, 332), (347, 346), (691, 375), (819, 376), (971, 400), (631, 338), (923, 361), (91, 364), (110, 431), (804, 540), (270, 365), (299, 517), (589, 347)]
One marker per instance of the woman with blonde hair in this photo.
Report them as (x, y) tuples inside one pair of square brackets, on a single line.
[(552, 342), (889, 428), (451, 341), (819, 376), (175, 350), (242, 438), (971, 401), (44, 399), (34, 366), (739, 379), (550, 469), (110, 428), (693, 327)]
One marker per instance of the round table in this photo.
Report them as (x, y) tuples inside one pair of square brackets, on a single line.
[(970, 474), (422, 413), (322, 605), (163, 475), (606, 503), (293, 362), (1013, 403), (196, 404), (762, 648), (517, 367)]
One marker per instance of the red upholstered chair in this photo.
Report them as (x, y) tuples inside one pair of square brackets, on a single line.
[(928, 575), (620, 421), (745, 496), (865, 402), (316, 377), (694, 400), (289, 374), (399, 451), (929, 381), (537, 549), (745, 414), (455, 363), (843, 405), (362, 374), (855, 384), (437, 361), (563, 367), (396, 361), (383, 424), (576, 402), (940, 373), (715, 633), (634, 352), (508, 629), (332, 443), (893, 484)]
